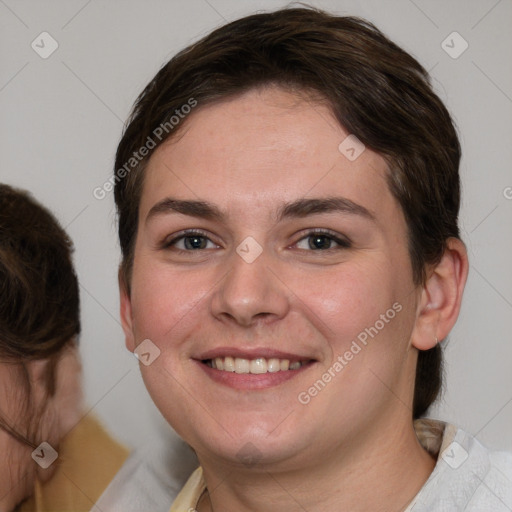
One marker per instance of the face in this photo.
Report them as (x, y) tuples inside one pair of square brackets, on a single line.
[(265, 247)]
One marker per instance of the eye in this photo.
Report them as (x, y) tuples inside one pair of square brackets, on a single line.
[(190, 241), (322, 241)]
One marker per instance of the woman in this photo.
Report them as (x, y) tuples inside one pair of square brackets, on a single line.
[(288, 194), (54, 457)]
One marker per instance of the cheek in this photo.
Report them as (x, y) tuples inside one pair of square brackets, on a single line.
[(350, 297), (364, 313), (162, 298)]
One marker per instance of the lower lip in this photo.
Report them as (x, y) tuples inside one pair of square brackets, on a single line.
[(249, 381)]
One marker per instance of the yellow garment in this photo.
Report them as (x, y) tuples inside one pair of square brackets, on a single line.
[(88, 460), (429, 433), (188, 497)]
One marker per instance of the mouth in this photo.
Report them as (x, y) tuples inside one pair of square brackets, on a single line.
[(252, 369), (257, 366)]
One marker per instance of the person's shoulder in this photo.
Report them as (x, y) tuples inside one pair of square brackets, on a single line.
[(500, 477), (502, 460), (467, 475), (484, 476)]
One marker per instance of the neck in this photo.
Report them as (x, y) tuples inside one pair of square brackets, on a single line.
[(386, 476)]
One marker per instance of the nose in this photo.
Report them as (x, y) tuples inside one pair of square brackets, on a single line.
[(250, 293)]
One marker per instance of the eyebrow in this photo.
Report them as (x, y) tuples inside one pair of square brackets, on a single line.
[(202, 209), (300, 208), (305, 207)]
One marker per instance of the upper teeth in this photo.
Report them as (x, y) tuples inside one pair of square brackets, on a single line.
[(259, 365)]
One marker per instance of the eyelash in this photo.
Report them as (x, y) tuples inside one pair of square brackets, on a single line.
[(343, 243), (188, 233)]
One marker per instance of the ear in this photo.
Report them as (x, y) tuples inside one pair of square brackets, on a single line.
[(126, 311), (441, 297)]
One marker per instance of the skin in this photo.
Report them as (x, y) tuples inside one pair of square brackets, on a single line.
[(18, 471), (248, 156)]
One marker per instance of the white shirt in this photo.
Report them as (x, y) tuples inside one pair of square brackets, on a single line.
[(467, 477)]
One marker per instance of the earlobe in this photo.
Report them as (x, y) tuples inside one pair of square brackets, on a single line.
[(441, 297), (126, 311)]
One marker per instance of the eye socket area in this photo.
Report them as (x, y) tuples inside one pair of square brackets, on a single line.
[(190, 240), (317, 240), (322, 240)]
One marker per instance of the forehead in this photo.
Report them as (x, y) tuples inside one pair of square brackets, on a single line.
[(265, 147)]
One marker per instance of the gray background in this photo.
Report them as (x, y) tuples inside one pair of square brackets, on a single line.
[(61, 119)]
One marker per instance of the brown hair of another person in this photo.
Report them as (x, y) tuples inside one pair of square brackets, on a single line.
[(39, 305)]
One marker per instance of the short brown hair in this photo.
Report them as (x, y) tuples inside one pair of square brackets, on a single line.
[(39, 306), (376, 90)]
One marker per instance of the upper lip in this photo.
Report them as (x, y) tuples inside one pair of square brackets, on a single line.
[(250, 353)]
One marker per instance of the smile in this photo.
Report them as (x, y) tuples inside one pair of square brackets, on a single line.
[(255, 366)]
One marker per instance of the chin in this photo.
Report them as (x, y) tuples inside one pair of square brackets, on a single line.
[(246, 446)]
